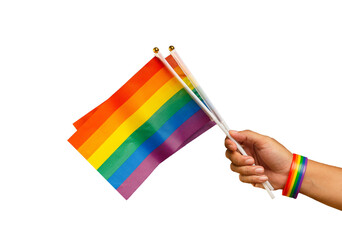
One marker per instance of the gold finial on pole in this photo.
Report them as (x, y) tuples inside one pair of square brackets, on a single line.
[(171, 48), (155, 50)]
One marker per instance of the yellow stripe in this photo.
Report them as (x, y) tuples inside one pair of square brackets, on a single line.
[(293, 177), (187, 82), (179, 71), (120, 115), (134, 122)]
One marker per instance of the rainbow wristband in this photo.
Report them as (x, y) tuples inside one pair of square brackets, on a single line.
[(296, 176)]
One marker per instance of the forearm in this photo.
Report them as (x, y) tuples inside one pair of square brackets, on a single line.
[(323, 183)]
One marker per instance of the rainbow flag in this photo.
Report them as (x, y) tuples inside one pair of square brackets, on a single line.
[(147, 120)]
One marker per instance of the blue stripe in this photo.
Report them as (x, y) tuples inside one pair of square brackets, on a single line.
[(152, 143)]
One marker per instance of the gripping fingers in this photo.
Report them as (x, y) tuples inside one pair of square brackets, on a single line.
[(254, 179), (230, 145), (247, 170), (238, 159), (250, 174)]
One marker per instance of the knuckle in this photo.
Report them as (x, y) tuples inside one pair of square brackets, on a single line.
[(248, 170), (244, 171), (240, 162), (227, 154), (254, 179), (247, 131), (270, 138), (259, 180), (226, 142), (243, 178)]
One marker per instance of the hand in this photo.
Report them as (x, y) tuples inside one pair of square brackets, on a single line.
[(273, 160)]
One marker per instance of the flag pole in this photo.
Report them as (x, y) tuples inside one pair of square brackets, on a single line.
[(203, 95), (193, 81), (205, 109)]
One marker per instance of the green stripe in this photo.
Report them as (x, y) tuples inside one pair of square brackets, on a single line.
[(197, 94), (145, 131), (296, 181)]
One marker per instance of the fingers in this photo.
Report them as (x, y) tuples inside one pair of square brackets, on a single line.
[(247, 170), (246, 136), (239, 159), (250, 174), (258, 185), (244, 164), (254, 179), (230, 145)]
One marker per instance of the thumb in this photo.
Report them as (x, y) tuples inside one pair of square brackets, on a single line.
[(246, 136)]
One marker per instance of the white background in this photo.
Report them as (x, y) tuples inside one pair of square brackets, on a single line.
[(270, 66)]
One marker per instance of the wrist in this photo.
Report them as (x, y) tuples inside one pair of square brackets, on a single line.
[(286, 170), (308, 183), (295, 176)]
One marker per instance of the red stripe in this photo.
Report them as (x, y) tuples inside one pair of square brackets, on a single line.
[(83, 119), (171, 61), (115, 101), (292, 169), (78, 124)]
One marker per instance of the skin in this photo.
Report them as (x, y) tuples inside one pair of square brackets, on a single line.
[(273, 161)]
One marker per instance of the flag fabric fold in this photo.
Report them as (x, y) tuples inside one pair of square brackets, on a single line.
[(147, 120)]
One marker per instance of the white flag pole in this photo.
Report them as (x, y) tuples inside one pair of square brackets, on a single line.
[(224, 128), (193, 81), (205, 98)]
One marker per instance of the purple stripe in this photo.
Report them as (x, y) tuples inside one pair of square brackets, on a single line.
[(206, 127), (189, 130), (302, 176)]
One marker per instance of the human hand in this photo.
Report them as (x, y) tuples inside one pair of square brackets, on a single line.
[(273, 160)]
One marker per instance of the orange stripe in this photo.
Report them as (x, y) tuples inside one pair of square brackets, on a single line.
[(294, 174), (124, 112), (171, 61), (115, 101), (179, 71)]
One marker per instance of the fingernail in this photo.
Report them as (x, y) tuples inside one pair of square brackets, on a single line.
[(233, 131), (263, 178), (249, 161), (259, 170)]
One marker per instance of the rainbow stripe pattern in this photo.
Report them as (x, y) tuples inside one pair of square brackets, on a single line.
[(296, 176), (148, 119)]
